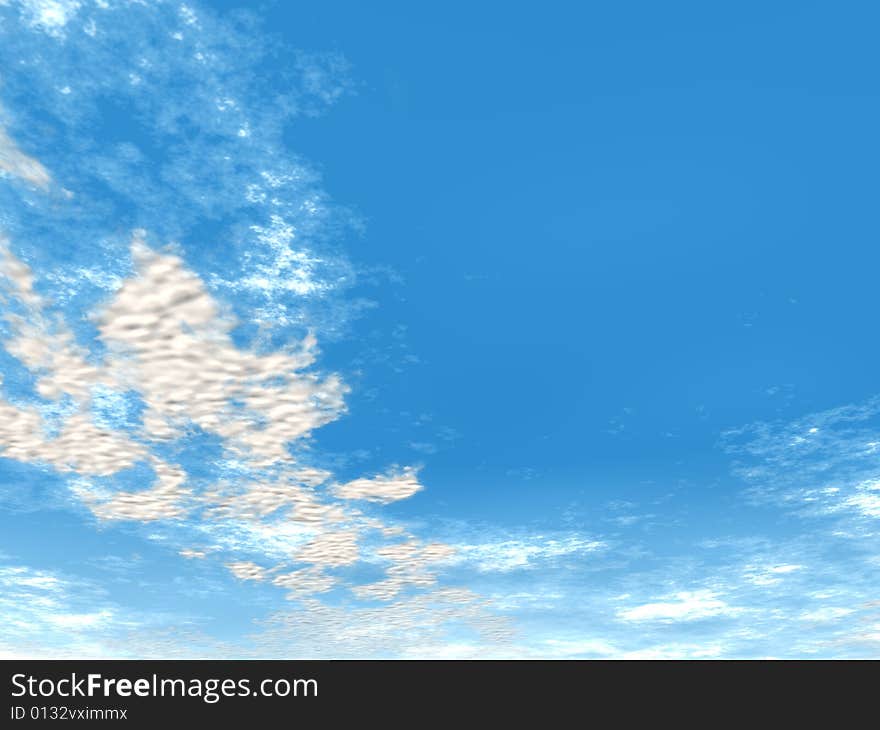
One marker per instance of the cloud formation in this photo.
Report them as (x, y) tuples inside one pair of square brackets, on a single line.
[(385, 488), (273, 518), (682, 606)]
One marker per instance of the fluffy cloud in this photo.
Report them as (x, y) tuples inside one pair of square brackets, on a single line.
[(305, 582), (261, 499), (245, 570), (80, 447), (167, 499), (331, 548), (407, 564), (383, 488), (169, 341)]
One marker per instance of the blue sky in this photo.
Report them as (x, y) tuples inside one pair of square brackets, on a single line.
[(379, 330)]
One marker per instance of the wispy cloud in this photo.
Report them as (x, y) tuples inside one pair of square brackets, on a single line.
[(504, 555), (682, 606), (824, 464), (17, 164), (45, 614)]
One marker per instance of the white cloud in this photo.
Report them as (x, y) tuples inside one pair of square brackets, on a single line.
[(331, 549), (828, 613), (190, 553), (50, 16), (167, 499), (385, 488), (682, 606), (171, 342), (17, 164), (305, 582), (80, 620), (769, 575), (866, 501), (407, 564), (823, 465), (261, 499), (167, 340), (80, 447), (245, 570)]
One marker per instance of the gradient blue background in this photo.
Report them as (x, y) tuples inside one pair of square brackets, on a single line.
[(635, 219)]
